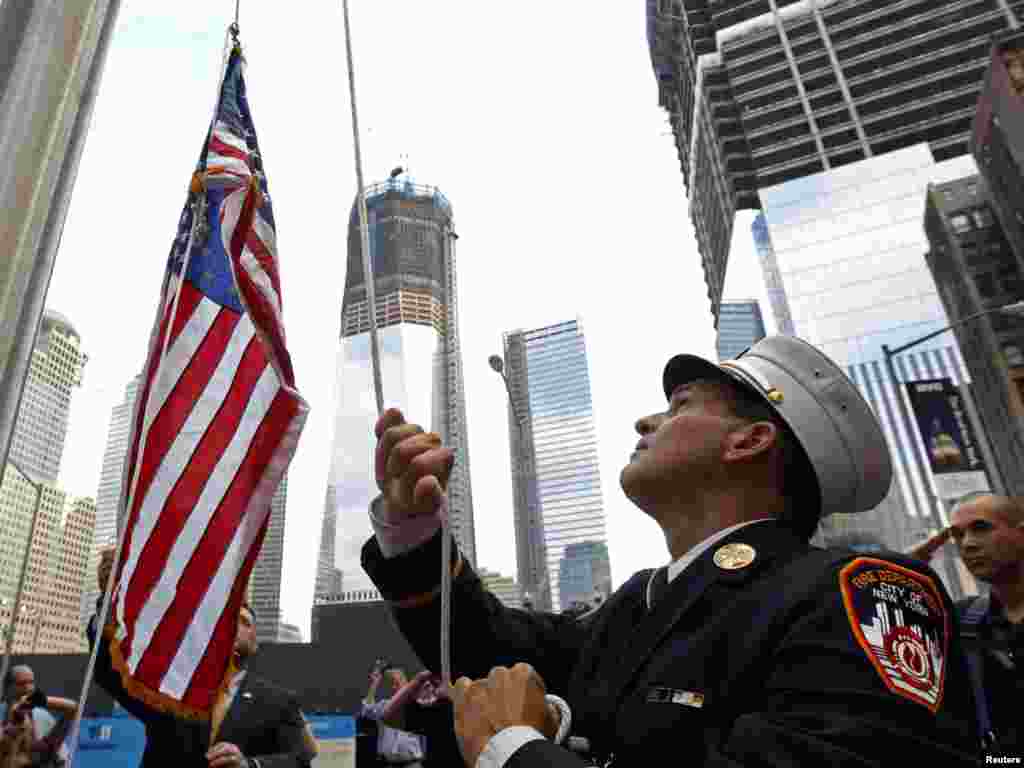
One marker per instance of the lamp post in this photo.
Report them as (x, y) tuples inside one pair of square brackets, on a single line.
[(533, 592), (889, 354), (9, 639)]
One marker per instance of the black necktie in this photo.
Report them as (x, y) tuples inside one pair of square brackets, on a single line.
[(659, 586)]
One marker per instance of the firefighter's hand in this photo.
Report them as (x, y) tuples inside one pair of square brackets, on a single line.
[(412, 468), (506, 698)]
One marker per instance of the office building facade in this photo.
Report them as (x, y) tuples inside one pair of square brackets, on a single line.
[(109, 517), (265, 579), (760, 92), (58, 363), (504, 588), (60, 542), (772, 276), (555, 472), (740, 326), (412, 247), (585, 574), (976, 273), (849, 249), (997, 139)]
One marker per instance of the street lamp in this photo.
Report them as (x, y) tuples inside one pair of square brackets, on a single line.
[(532, 593), (1016, 308), (9, 639)]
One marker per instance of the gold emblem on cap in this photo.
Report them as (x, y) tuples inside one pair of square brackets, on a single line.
[(732, 557), (775, 395)]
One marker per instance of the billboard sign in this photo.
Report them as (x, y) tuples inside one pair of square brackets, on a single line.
[(949, 440)]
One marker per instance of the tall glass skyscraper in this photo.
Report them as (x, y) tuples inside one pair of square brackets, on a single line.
[(760, 92), (848, 248), (559, 510), (740, 326), (58, 553), (412, 251)]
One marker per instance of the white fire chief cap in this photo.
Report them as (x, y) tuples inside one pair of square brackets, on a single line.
[(835, 427)]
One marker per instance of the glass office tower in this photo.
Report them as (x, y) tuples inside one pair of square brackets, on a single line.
[(740, 326), (559, 510), (759, 92), (413, 257), (849, 248)]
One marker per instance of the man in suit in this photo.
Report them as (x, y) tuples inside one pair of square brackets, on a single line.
[(750, 647), (254, 725)]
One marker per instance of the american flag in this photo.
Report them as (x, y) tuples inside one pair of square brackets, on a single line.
[(214, 429)]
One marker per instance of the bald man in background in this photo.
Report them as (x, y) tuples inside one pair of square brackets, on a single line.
[(988, 531)]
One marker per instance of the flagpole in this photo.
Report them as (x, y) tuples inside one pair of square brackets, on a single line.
[(371, 300)]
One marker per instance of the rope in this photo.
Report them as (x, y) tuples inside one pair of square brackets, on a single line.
[(371, 299)]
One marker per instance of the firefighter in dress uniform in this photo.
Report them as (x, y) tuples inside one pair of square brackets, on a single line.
[(750, 647)]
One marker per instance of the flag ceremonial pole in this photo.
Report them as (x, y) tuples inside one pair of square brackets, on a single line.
[(198, 216), (371, 303)]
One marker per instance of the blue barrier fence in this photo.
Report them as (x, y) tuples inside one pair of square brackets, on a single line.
[(118, 742)]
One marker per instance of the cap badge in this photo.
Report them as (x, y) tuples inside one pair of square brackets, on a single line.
[(732, 557)]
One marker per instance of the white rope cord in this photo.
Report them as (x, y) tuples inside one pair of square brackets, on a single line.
[(446, 597), (371, 302)]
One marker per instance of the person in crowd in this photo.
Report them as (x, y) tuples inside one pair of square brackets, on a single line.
[(988, 531), (32, 736), (422, 707), (254, 724), (750, 647), (395, 746)]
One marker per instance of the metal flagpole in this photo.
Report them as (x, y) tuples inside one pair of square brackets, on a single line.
[(371, 301)]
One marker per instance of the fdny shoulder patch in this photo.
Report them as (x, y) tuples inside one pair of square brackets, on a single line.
[(901, 623)]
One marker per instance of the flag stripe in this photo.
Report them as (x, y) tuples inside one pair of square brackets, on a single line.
[(214, 420), (264, 234), (265, 259), (188, 306), (238, 213), (260, 310), (167, 440), (208, 557), (159, 600), (280, 420), (210, 671), (222, 131)]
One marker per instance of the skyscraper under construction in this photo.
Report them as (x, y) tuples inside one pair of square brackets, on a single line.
[(412, 251), (760, 92)]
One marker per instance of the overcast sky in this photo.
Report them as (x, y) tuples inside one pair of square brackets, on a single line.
[(538, 120)]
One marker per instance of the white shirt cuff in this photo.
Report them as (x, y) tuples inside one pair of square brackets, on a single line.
[(564, 717), (506, 743), (398, 538)]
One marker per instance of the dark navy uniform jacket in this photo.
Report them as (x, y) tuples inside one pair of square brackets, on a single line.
[(803, 657)]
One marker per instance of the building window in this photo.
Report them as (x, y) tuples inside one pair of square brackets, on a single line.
[(986, 284), (960, 223)]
